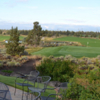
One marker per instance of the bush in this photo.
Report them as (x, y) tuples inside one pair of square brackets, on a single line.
[(79, 92), (85, 87), (7, 71), (10, 63), (13, 63), (22, 58), (58, 70)]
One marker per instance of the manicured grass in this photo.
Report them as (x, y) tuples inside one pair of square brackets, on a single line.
[(91, 42), (11, 82), (33, 49), (75, 51), (6, 37)]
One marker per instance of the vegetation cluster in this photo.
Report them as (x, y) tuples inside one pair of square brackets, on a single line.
[(48, 33), (82, 74), (59, 43), (9, 61)]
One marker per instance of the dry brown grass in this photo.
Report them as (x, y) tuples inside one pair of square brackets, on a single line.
[(33, 49), (36, 57), (2, 46), (82, 81), (38, 63), (49, 38)]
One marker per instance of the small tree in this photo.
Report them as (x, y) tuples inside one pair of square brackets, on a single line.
[(30, 38), (34, 35), (12, 47), (0, 31), (37, 33)]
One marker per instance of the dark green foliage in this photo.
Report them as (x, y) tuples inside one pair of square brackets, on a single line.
[(30, 38), (12, 46), (37, 33), (7, 71), (84, 87), (34, 35), (0, 31), (58, 70), (79, 92)]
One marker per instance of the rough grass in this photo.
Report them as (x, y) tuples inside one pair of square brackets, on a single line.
[(75, 51), (91, 42), (11, 82)]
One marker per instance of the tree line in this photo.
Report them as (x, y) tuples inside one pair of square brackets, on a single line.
[(50, 33), (34, 37)]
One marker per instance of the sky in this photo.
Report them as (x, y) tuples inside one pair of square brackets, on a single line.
[(73, 15)]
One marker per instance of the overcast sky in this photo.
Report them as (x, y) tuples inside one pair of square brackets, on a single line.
[(76, 15)]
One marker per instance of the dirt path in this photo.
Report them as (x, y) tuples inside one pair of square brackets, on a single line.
[(24, 68)]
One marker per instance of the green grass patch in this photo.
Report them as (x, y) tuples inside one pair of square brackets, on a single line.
[(6, 37), (75, 51), (11, 82), (33, 49), (91, 42)]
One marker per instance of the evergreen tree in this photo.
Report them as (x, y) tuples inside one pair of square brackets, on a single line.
[(12, 47), (30, 38), (34, 35), (0, 31), (37, 33)]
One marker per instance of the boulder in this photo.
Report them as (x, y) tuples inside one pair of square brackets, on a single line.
[(15, 74), (54, 83)]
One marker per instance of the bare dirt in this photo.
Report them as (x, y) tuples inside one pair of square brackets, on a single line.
[(24, 68)]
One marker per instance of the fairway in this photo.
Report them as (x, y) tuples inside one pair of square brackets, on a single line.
[(72, 50), (84, 41), (6, 37)]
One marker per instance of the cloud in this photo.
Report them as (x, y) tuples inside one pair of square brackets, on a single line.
[(48, 26), (74, 21), (45, 27)]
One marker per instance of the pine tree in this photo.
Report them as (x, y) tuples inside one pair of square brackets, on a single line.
[(34, 35), (37, 33), (12, 47)]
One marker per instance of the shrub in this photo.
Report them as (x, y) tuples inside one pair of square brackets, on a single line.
[(22, 58), (11, 63), (76, 91), (17, 64), (58, 70), (24, 53), (7, 71)]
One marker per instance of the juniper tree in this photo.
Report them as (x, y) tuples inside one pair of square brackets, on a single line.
[(30, 38), (34, 35), (12, 47), (37, 33)]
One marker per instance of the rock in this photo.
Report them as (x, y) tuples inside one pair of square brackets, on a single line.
[(91, 68), (54, 83), (15, 74), (89, 62), (83, 67)]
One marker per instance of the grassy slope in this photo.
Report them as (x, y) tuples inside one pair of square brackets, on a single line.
[(92, 50), (11, 82), (6, 37), (75, 51), (92, 42)]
